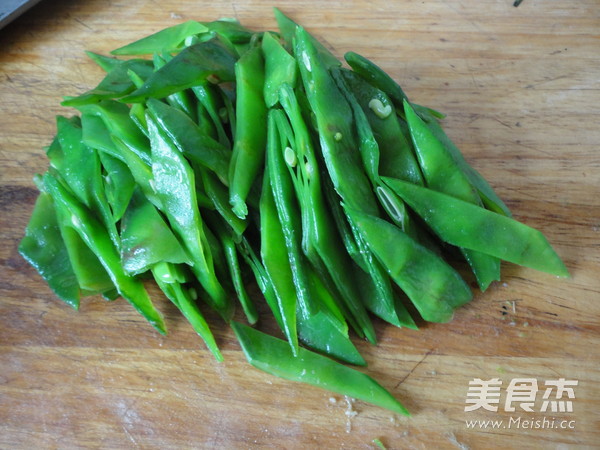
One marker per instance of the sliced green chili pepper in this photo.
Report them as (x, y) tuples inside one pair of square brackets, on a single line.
[(320, 241), (189, 68), (119, 184), (98, 241), (280, 68), (174, 183), (444, 175), (274, 356), (251, 129), (146, 239), (107, 63), (170, 39), (288, 30), (116, 83), (431, 284), (470, 226), (43, 248), (79, 166), (488, 196), (184, 301), (190, 140), (275, 259)]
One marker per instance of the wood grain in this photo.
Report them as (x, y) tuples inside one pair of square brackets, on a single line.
[(521, 90)]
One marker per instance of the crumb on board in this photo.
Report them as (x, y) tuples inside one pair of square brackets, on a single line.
[(452, 438), (350, 412)]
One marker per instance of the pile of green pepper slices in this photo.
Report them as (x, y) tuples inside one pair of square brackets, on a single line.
[(235, 153)]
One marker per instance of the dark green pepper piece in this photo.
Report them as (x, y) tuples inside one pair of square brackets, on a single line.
[(444, 175), (43, 248), (433, 286), (97, 239), (119, 184), (191, 142), (274, 356), (280, 68), (288, 30), (170, 39), (251, 129), (470, 226), (146, 239), (174, 183), (165, 275), (189, 68), (117, 83), (274, 256)]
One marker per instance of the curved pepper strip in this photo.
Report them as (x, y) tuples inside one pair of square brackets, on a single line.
[(444, 175), (174, 183), (274, 356), (470, 226), (250, 129), (97, 239)]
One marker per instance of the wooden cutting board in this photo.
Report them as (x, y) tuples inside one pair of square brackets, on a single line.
[(521, 90)]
